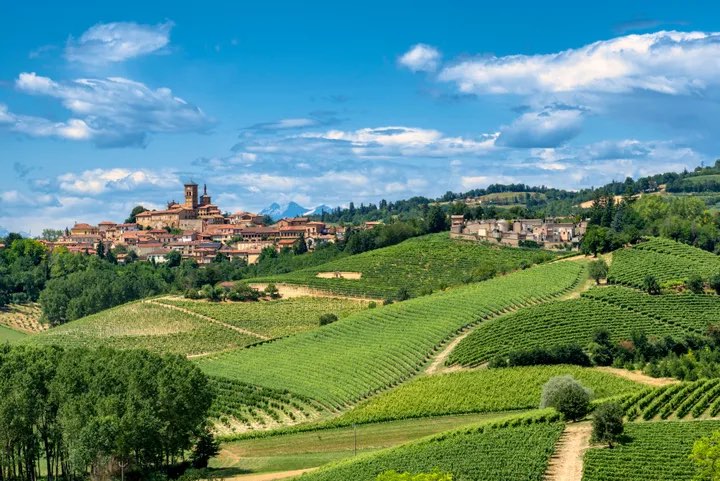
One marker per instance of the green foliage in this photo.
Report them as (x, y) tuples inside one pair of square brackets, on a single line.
[(436, 220), (206, 447), (372, 350), (651, 285), (664, 259), (432, 262), (133, 214), (490, 453), (485, 390), (714, 283), (695, 284), (598, 270), (277, 318), (608, 423), (393, 475), (326, 319), (272, 291), (569, 397), (706, 456), (654, 452), (697, 398), (569, 354)]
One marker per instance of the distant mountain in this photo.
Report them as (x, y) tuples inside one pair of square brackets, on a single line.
[(319, 210), (277, 211)]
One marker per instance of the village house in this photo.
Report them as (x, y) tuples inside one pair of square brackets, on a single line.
[(549, 233)]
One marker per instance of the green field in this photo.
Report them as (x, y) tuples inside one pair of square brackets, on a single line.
[(489, 453), (140, 325), (11, 336), (665, 259), (678, 401), (313, 448), (620, 310), (272, 318), (483, 390), (654, 452), (373, 350), (424, 263)]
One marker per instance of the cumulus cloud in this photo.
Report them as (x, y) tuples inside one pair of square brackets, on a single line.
[(549, 127), (116, 42), (667, 62), (112, 112), (421, 58), (98, 181)]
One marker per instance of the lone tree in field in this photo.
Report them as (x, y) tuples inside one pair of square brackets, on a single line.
[(706, 454), (567, 396), (598, 270), (650, 285), (326, 319), (608, 423)]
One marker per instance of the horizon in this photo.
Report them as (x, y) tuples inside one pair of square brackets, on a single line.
[(105, 107)]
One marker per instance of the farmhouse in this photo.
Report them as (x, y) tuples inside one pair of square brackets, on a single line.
[(547, 232)]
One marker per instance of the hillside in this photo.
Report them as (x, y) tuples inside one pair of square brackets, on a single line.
[(420, 265), (10, 335)]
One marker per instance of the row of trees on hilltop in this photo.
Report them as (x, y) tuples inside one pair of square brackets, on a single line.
[(67, 413)]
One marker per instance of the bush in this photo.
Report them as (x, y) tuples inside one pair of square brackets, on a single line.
[(372, 305), (650, 285), (403, 294), (387, 302), (272, 291), (569, 354), (598, 270), (243, 292), (695, 284), (608, 423), (567, 396), (715, 283), (601, 349), (326, 319)]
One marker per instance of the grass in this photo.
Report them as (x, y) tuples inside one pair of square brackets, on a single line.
[(310, 449), (141, 325), (273, 318), (421, 265), (483, 390), (493, 452), (11, 336), (656, 451), (574, 321), (373, 350)]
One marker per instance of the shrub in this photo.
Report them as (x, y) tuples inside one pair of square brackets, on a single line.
[(650, 285), (403, 294), (387, 302), (372, 305), (601, 349), (608, 423), (243, 292), (326, 319), (569, 354), (567, 396), (598, 270), (714, 283), (695, 284), (272, 291)]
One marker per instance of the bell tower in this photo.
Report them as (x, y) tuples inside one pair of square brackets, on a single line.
[(191, 195)]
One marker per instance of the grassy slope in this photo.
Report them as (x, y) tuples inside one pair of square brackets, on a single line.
[(483, 390), (314, 448), (654, 452), (10, 335), (489, 453), (273, 318), (427, 262), (143, 325), (375, 349)]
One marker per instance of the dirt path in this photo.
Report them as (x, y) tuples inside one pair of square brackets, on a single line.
[(270, 476), (207, 318), (566, 464), (291, 290), (638, 376), (438, 363)]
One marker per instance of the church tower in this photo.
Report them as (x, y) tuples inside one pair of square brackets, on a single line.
[(205, 198), (191, 195)]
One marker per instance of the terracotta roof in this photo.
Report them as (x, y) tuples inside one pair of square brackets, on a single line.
[(82, 226), (107, 222)]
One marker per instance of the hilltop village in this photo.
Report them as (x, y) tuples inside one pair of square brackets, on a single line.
[(198, 230)]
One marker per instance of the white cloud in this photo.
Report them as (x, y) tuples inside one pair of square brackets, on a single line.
[(421, 58), (98, 181), (116, 42), (665, 62), (549, 127), (112, 112)]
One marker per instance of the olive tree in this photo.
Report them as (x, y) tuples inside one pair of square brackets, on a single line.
[(567, 396), (608, 423)]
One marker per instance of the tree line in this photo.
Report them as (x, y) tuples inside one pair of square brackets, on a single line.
[(73, 413)]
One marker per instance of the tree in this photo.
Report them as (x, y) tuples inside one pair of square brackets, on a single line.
[(706, 455), (132, 218), (436, 220), (173, 259), (598, 270), (695, 284), (300, 247), (651, 285), (601, 348), (608, 423), (272, 291), (714, 283), (403, 294), (100, 251), (595, 241), (51, 235), (206, 447), (567, 396), (326, 319)]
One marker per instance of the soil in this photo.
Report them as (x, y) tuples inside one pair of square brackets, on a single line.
[(566, 463), (270, 476), (340, 275), (639, 377)]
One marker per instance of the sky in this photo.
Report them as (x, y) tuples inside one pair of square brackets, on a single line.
[(108, 105)]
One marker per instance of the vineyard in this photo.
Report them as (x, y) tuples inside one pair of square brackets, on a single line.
[(421, 264), (483, 390), (677, 401), (240, 407), (665, 259), (373, 350), (617, 309), (495, 452), (141, 325), (10, 335), (654, 452), (272, 318)]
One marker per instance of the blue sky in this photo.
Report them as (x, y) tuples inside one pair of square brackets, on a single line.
[(106, 105)]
